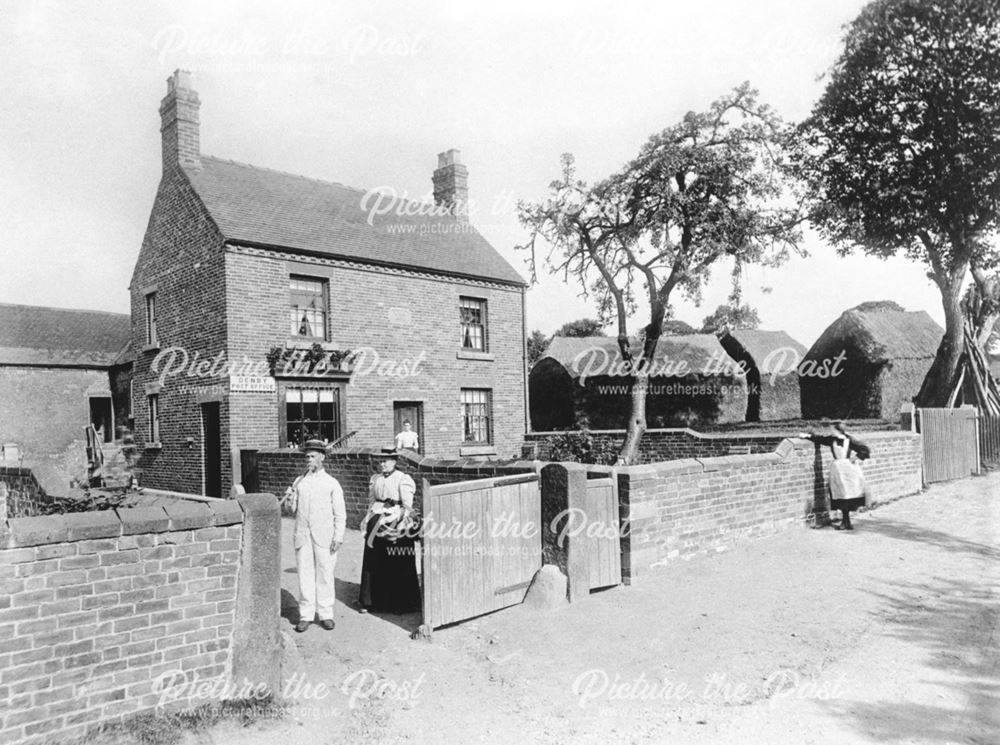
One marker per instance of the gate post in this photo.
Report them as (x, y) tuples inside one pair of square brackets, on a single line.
[(564, 535)]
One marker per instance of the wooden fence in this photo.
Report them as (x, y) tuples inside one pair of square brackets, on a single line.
[(950, 442), (989, 439), (604, 551)]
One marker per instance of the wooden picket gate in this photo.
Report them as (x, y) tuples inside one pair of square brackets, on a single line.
[(604, 551), (950, 442), (481, 546)]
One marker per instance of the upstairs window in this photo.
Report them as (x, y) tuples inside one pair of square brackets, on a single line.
[(307, 297), (476, 415), (151, 337), (472, 317)]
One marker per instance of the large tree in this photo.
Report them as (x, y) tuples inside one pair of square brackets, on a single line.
[(537, 344), (708, 187), (904, 149), (730, 316), (581, 327)]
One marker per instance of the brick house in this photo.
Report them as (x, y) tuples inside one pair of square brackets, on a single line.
[(56, 372), (242, 266)]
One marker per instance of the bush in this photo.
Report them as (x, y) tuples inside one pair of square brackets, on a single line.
[(582, 447)]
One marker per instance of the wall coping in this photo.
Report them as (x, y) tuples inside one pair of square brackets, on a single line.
[(720, 435), (78, 526), (787, 447), (425, 463)]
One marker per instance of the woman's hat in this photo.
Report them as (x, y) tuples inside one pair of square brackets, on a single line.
[(389, 453), (317, 446)]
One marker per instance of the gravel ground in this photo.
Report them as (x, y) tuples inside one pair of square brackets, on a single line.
[(887, 634)]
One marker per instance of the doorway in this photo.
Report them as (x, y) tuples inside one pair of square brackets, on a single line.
[(409, 411), (212, 449), (102, 418)]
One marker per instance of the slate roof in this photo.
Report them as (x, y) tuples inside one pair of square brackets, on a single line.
[(56, 337), (884, 335), (760, 345), (676, 356), (282, 210)]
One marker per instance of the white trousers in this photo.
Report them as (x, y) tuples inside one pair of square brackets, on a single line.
[(316, 585)]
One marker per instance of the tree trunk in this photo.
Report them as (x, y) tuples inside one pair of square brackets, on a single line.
[(937, 385), (637, 420)]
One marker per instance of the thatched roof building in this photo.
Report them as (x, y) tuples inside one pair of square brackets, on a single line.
[(693, 380), (868, 363), (770, 360)]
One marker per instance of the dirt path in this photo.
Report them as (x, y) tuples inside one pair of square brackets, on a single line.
[(888, 634)]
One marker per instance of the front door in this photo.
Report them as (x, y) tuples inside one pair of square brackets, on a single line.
[(212, 449), (412, 412)]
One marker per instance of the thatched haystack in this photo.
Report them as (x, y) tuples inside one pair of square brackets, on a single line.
[(770, 360), (884, 355), (692, 381)]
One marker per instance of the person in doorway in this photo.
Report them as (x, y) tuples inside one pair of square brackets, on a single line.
[(407, 439), (320, 520), (389, 579), (846, 483)]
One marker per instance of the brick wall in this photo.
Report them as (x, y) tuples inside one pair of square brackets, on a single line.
[(44, 409), (687, 507), (354, 467), (181, 256), (407, 318), (22, 496), (95, 606)]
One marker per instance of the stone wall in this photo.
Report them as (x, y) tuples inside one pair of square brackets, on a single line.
[(97, 607), (683, 508)]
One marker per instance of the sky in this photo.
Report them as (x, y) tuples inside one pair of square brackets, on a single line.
[(367, 93)]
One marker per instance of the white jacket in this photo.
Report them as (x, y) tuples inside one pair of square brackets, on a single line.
[(320, 513)]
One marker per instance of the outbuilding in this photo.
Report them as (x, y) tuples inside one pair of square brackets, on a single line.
[(868, 363), (582, 380)]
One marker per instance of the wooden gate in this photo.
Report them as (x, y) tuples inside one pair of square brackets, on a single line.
[(989, 439), (950, 440), (481, 546), (604, 551)]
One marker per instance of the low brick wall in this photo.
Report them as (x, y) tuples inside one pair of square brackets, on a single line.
[(659, 445), (20, 492), (683, 508), (96, 607), (354, 467)]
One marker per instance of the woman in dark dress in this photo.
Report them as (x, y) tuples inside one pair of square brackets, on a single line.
[(389, 579), (846, 483)]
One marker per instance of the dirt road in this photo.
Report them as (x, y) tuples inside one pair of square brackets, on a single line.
[(887, 634)]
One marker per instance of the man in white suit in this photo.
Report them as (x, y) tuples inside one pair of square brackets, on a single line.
[(320, 519)]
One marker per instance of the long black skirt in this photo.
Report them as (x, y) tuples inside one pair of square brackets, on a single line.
[(847, 504), (389, 579)]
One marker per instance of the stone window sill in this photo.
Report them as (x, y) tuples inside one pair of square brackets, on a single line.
[(469, 354), (155, 347), (477, 450), (153, 446)]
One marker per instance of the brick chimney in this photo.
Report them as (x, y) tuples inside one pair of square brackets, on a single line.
[(179, 123), (451, 184)]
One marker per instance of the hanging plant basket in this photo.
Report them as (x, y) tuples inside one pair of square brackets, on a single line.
[(314, 361)]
